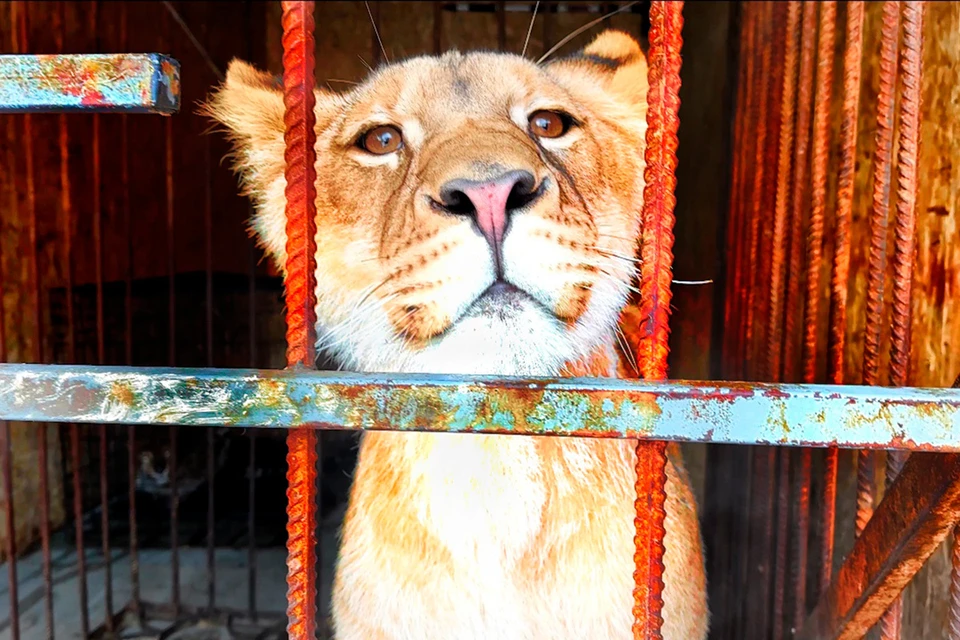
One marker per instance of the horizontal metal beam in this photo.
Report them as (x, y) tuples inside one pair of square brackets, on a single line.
[(127, 83), (808, 415), (916, 514)]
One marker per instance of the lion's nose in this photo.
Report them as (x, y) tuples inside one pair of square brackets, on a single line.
[(490, 203)]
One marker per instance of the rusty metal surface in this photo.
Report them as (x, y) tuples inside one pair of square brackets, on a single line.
[(132, 83), (879, 213), (300, 296), (911, 67), (656, 250), (920, 510), (736, 413), (852, 63), (788, 106), (801, 163)]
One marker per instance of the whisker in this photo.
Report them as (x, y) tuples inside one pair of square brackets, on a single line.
[(376, 32), (625, 345), (369, 68), (612, 254), (577, 32), (692, 282), (533, 19)]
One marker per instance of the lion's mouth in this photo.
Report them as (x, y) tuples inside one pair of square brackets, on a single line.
[(503, 301)]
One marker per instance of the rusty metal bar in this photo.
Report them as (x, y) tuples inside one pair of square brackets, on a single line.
[(172, 463), (132, 83), (101, 351), (135, 602), (918, 513), (656, 250), (66, 210), (852, 62), (790, 73), (820, 138), (800, 528), (253, 259), (6, 463), (788, 105), (35, 288), (909, 419), (953, 631), (211, 468), (801, 163), (300, 290), (879, 214), (911, 67), (762, 83)]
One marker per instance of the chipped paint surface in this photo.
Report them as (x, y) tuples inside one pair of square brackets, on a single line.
[(737, 413), (131, 83)]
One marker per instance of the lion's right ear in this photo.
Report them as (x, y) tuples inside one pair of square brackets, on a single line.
[(249, 104)]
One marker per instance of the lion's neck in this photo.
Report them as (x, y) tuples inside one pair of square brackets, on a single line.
[(483, 497)]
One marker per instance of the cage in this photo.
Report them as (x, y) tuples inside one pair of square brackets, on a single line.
[(813, 247)]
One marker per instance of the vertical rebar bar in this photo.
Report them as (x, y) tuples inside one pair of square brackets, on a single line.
[(66, 230), (763, 104), (877, 261), (777, 275), (35, 288), (788, 106), (953, 622), (172, 466), (211, 467), (252, 346), (128, 340), (6, 463), (911, 67), (801, 532), (300, 284), (743, 260), (659, 200), (852, 62), (801, 163)]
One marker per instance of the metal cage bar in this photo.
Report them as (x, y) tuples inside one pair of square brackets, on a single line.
[(300, 291)]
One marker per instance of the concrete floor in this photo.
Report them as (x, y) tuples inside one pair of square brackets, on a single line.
[(155, 587)]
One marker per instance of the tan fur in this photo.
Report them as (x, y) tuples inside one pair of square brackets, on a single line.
[(469, 536)]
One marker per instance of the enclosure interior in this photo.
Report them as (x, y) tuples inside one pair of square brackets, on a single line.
[(138, 253)]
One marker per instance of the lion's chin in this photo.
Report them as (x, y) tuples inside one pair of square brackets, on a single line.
[(505, 332)]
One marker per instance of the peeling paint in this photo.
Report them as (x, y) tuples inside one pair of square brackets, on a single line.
[(734, 413), (129, 83)]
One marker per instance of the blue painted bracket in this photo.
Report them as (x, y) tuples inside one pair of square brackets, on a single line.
[(723, 412), (93, 83)]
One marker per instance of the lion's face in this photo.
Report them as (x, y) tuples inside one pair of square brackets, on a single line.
[(477, 213)]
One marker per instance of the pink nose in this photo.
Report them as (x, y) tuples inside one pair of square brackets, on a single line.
[(490, 203)]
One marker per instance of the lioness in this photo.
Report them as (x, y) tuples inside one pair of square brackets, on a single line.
[(479, 214)]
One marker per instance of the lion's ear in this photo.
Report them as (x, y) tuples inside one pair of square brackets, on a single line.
[(613, 62), (249, 104)]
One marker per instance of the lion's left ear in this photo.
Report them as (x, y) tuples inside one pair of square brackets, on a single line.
[(614, 62)]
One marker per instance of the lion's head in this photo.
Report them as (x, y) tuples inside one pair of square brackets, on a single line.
[(476, 213)]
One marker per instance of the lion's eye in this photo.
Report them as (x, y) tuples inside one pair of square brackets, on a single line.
[(381, 140), (548, 124)]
